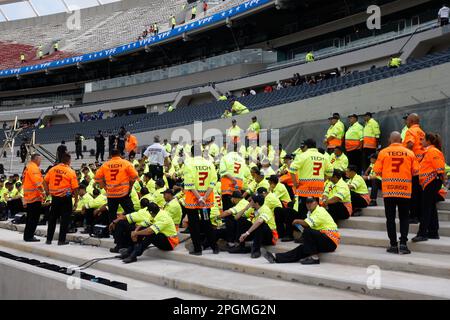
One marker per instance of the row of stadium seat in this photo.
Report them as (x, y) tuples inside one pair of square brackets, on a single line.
[(184, 115)]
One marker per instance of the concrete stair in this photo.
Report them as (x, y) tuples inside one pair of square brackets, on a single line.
[(444, 215), (421, 275)]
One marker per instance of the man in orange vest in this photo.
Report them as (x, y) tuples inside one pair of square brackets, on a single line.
[(131, 145), (413, 140), (61, 183), (33, 196), (117, 176), (397, 165)]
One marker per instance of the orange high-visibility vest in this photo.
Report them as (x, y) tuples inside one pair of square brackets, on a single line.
[(32, 184), (396, 165), (61, 180), (415, 135), (117, 174), (131, 144), (431, 166)]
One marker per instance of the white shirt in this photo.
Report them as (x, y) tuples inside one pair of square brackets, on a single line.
[(156, 154), (444, 12)]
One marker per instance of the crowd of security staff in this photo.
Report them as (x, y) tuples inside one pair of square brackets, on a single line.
[(242, 196)]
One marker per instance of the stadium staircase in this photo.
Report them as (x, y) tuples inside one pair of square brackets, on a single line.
[(344, 274)]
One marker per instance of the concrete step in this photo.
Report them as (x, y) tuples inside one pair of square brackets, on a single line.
[(379, 224), (185, 276), (372, 238), (444, 215), (444, 205), (45, 287), (393, 285)]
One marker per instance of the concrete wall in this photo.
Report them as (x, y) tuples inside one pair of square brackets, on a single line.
[(409, 89), (19, 281)]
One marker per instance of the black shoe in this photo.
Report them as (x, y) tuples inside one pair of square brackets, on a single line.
[(373, 203), (434, 237), (357, 213), (116, 249), (34, 239), (299, 240), (86, 231), (216, 250), (130, 259), (413, 221), (419, 239), (268, 256), (256, 254), (63, 243), (125, 252), (404, 249), (287, 239), (309, 261), (240, 249), (48, 242), (392, 249), (195, 253)]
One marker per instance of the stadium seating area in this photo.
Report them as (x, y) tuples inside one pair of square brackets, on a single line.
[(97, 32), (184, 115), (10, 55)]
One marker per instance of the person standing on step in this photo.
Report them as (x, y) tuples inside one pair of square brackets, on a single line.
[(62, 149), (131, 145), (79, 145), (397, 165), (320, 234), (61, 183), (431, 177), (33, 196), (354, 142), (200, 178), (158, 158), (414, 141), (100, 146)]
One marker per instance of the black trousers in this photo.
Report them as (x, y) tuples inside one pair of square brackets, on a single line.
[(100, 153), (358, 202), (113, 204), (78, 151), (375, 185), (302, 210), (122, 234), (314, 242), (390, 207), (284, 218), (92, 220), (34, 211), (159, 240), (200, 222), (156, 171), (260, 236), (354, 158), (61, 208), (429, 220), (231, 229), (444, 22), (226, 202), (15, 206), (366, 157), (121, 148), (416, 199), (3, 211), (338, 211)]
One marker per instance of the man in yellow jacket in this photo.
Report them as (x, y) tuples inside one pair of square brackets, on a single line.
[(371, 136)]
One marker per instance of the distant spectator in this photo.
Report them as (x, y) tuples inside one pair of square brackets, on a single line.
[(310, 57), (268, 89), (227, 114), (62, 149), (205, 6), (56, 46), (40, 54), (280, 85), (237, 107), (155, 28), (81, 116), (395, 62), (194, 12), (222, 97), (22, 58), (173, 21), (443, 15), (253, 92), (5, 125), (170, 108), (79, 145), (100, 146)]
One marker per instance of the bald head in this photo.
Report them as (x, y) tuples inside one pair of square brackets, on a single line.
[(395, 137), (412, 119)]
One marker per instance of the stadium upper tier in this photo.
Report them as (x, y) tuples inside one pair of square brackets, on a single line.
[(185, 115), (100, 31)]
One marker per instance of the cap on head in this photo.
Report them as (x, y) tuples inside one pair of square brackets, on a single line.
[(354, 115), (310, 200), (368, 114), (169, 191)]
